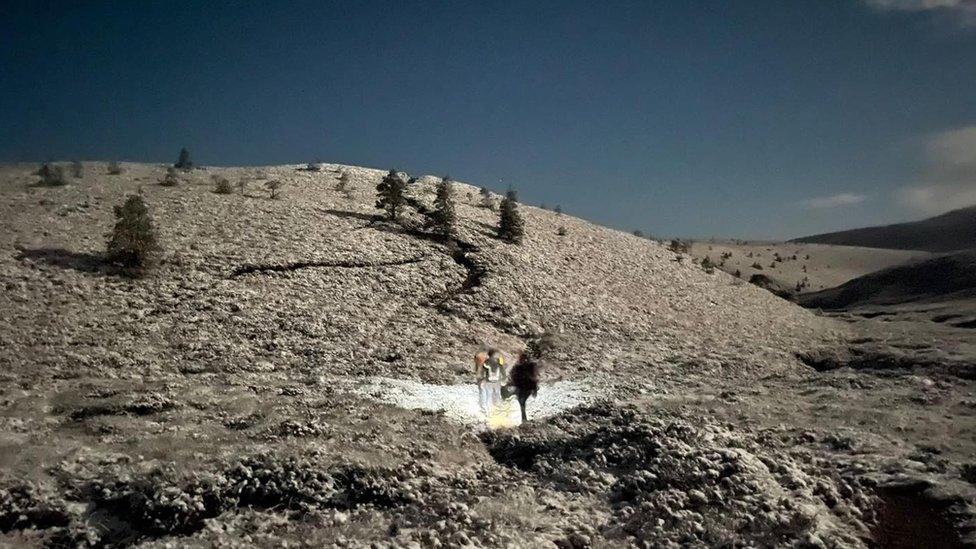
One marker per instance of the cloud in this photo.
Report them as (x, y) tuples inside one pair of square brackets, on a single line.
[(842, 199), (953, 153), (950, 178), (962, 12), (936, 199)]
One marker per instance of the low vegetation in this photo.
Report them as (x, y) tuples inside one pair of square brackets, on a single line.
[(183, 162), (445, 216), (511, 227), (171, 179), (132, 243), (390, 195), (114, 168), (77, 169), (52, 175), (679, 246), (221, 184), (274, 186)]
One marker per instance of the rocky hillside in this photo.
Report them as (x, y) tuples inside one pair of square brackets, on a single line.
[(948, 277), (955, 230), (227, 398), (312, 282)]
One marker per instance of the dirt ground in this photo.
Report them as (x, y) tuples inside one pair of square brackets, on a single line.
[(226, 399)]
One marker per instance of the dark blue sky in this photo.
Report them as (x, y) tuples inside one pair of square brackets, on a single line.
[(757, 119)]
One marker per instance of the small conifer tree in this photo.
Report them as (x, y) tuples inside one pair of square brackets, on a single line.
[(511, 228), (445, 217), (390, 195), (184, 163), (133, 240), (485, 197)]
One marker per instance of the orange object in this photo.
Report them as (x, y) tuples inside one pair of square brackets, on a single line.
[(479, 363)]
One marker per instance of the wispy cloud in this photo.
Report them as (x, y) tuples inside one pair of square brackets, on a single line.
[(833, 201), (962, 12), (937, 199), (950, 180)]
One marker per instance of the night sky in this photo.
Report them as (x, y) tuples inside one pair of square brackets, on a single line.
[(754, 119)]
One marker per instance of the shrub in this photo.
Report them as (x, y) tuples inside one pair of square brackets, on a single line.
[(221, 184), (390, 195), (757, 266), (77, 170), (558, 210), (133, 240), (637, 233), (52, 176), (344, 185), (511, 228), (561, 231), (445, 218), (738, 273), (679, 247), (114, 168), (273, 187), (313, 167), (170, 179), (242, 185), (707, 265), (183, 162)]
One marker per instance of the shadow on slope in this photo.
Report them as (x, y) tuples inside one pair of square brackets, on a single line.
[(65, 259)]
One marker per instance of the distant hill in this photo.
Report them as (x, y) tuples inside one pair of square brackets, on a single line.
[(940, 278), (948, 232)]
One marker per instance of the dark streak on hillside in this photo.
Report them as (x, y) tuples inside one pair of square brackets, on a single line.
[(250, 269)]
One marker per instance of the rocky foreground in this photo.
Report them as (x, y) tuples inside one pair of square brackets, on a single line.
[(208, 403)]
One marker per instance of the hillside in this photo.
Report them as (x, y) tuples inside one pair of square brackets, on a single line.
[(812, 267), (943, 278), (955, 230), (287, 375)]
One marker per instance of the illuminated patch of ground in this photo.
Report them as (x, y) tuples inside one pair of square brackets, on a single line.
[(460, 402)]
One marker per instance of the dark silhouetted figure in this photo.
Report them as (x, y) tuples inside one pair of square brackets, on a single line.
[(523, 381)]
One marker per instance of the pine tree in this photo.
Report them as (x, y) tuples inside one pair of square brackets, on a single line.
[(510, 225), (390, 195), (133, 240), (184, 162), (445, 217)]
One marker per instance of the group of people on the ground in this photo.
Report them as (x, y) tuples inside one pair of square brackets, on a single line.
[(497, 382)]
